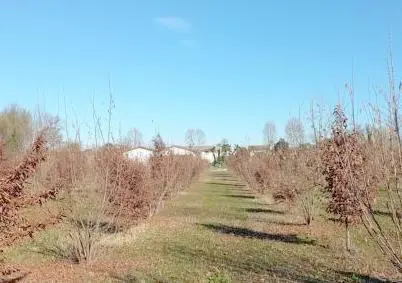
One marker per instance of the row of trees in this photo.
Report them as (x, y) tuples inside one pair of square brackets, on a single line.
[(347, 170), (356, 171), (18, 128), (192, 137), (100, 190)]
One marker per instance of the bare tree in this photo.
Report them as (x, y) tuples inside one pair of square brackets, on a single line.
[(194, 137), (134, 138), (200, 137), (51, 123), (189, 138), (316, 120), (385, 150), (295, 132), (269, 134)]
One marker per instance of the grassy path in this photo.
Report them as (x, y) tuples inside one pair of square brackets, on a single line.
[(219, 232), (216, 231)]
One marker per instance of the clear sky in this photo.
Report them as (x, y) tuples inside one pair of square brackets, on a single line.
[(226, 67)]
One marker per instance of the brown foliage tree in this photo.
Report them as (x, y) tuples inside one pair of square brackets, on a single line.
[(289, 175), (13, 196), (344, 167)]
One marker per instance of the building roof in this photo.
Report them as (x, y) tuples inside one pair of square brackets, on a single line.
[(203, 147), (141, 147), (181, 147), (258, 147)]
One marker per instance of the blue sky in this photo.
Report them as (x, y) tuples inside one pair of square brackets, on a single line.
[(226, 67)]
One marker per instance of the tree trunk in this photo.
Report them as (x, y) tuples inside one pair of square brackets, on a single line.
[(309, 220), (347, 236)]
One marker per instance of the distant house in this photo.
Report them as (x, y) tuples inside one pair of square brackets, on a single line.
[(238, 149), (258, 149), (208, 155), (206, 152), (140, 153), (179, 150)]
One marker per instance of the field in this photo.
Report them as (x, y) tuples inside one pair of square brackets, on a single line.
[(216, 230), (201, 141)]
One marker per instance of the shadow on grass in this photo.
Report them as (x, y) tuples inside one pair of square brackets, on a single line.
[(56, 251), (363, 278), (382, 213), (375, 212), (132, 277), (12, 278), (220, 175), (250, 266), (333, 219), (225, 184), (263, 210), (229, 180), (283, 223), (240, 196), (287, 223), (247, 233)]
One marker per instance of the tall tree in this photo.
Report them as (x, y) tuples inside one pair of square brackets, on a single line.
[(134, 138), (52, 128), (345, 169), (16, 128), (189, 138), (281, 144), (200, 138), (194, 137), (295, 132), (269, 134), (225, 147), (158, 143)]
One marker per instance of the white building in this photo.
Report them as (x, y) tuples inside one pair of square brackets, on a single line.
[(179, 150), (209, 156), (207, 152), (258, 149), (140, 153)]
